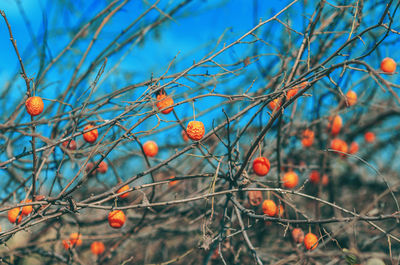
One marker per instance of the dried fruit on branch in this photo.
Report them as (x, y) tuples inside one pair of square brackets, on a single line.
[(310, 241), (91, 136), (116, 219), (163, 102), (34, 105), (261, 166), (255, 197), (124, 188), (269, 208), (388, 65), (97, 247), (150, 148), (290, 180), (195, 130)]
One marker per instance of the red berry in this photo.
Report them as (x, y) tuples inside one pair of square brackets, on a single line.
[(261, 166)]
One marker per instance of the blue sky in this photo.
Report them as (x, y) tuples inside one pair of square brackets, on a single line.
[(207, 24)]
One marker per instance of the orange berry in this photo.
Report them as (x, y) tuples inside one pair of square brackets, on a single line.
[(335, 124), (369, 137), (310, 241), (291, 93), (102, 167), (325, 180), (274, 104), (34, 105), (89, 166), (122, 189), (290, 180), (185, 136), (339, 145), (298, 235), (164, 101), (116, 219), (353, 148), (314, 176), (150, 148), (75, 239), (215, 254), (66, 244), (195, 130), (13, 214), (172, 183), (307, 138), (261, 166), (91, 136), (255, 197), (97, 247), (351, 97), (280, 211), (303, 85), (26, 210), (388, 65), (71, 145), (269, 208)]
